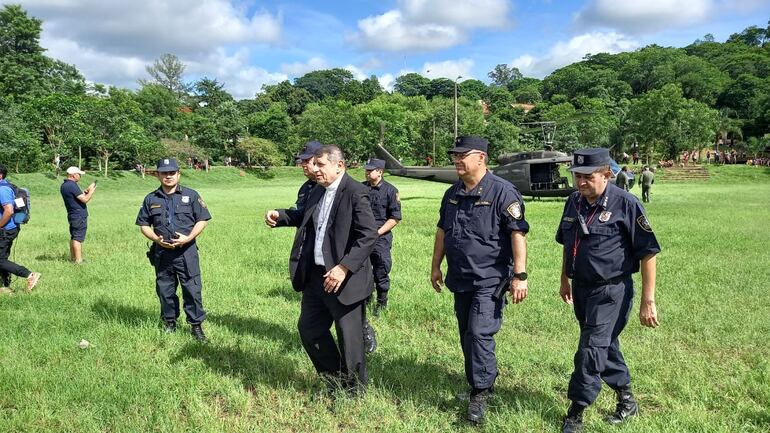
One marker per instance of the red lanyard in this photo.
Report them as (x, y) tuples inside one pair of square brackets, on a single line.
[(577, 236)]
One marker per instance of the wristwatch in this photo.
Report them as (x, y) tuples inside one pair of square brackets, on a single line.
[(521, 276)]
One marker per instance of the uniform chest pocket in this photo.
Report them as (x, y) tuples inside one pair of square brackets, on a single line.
[(604, 237), (482, 218), (156, 216), (604, 231), (450, 217), (184, 214)]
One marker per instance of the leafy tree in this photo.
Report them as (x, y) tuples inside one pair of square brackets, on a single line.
[(259, 151), (230, 124), (168, 71), (473, 89), (210, 93), (20, 147), (22, 63), (332, 122), (325, 83), (503, 137), (502, 75), (275, 125), (441, 87), (54, 116), (412, 84), (295, 98), (752, 36)]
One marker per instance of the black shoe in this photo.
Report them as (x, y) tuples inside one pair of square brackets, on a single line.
[(379, 307), (572, 424), (197, 332), (478, 406), (370, 338), (625, 409), (170, 327)]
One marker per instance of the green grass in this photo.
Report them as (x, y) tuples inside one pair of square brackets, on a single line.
[(706, 369)]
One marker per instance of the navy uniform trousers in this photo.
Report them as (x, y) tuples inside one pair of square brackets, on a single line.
[(602, 312), (479, 318), (179, 267), (382, 263)]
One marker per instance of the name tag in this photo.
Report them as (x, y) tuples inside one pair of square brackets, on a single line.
[(453, 201), (568, 219), (155, 206), (483, 203), (19, 202)]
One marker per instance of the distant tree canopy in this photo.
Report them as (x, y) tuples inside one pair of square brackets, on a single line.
[(657, 100)]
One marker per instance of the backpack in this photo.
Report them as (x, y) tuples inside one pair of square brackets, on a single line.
[(20, 204)]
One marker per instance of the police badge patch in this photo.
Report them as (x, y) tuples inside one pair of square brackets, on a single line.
[(185, 199), (604, 216), (644, 224), (515, 210), (580, 159)]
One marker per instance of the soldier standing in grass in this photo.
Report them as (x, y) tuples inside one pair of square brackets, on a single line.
[(481, 231), (172, 217), (606, 238), (648, 178), (9, 230)]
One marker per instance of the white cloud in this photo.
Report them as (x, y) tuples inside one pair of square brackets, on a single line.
[(465, 14), (449, 69), (298, 69), (643, 17), (565, 53), (111, 41), (387, 81), (357, 72), (428, 25)]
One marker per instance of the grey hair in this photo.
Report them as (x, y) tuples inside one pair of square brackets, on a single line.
[(333, 152)]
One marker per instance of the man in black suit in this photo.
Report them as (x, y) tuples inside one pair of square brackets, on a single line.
[(329, 263)]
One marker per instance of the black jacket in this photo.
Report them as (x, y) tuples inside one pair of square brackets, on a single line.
[(351, 232)]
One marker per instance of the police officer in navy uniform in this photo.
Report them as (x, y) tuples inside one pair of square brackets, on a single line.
[(606, 238), (305, 160), (172, 217), (481, 231), (386, 206)]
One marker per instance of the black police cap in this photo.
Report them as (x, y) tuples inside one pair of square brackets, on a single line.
[(374, 164), (587, 161), (467, 143)]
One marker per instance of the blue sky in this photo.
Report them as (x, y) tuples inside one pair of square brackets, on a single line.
[(248, 43)]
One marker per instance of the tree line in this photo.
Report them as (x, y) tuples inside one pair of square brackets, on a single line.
[(657, 100)]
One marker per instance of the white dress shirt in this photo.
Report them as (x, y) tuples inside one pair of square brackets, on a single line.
[(324, 207)]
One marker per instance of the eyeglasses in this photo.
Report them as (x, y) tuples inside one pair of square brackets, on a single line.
[(461, 156), (169, 173)]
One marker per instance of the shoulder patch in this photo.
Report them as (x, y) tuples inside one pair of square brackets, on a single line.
[(453, 201), (202, 203), (398, 198), (644, 223), (514, 209)]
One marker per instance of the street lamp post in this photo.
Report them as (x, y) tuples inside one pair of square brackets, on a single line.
[(458, 77)]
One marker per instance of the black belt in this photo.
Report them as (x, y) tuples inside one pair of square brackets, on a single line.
[(615, 280)]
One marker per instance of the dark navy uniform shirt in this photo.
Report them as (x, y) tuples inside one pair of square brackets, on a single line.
[(69, 193), (385, 202), (477, 229), (619, 236), (303, 194), (168, 214)]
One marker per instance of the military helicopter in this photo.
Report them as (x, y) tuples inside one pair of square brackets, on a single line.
[(534, 173)]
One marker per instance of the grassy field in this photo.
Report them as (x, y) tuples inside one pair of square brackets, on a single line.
[(706, 369)]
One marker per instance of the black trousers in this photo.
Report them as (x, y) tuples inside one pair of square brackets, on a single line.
[(479, 318), (7, 267), (602, 312), (174, 268), (319, 310), (381, 265)]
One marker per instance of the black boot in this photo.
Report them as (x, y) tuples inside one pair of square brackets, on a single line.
[(477, 406), (625, 409), (573, 422), (370, 338), (197, 332), (170, 326), (381, 305)]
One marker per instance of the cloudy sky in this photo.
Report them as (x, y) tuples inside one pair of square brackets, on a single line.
[(248, 43)]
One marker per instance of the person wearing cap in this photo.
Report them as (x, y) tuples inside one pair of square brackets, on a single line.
[(386, 207), (9, 230), (172, 217), (481, 232), (648, 178), (621, 180), (76, 201), (606, 238), (305, 160)]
